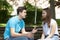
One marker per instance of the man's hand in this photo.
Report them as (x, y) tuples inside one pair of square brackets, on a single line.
[(34, 30), (41, 39), (30, 35), (47, 38)]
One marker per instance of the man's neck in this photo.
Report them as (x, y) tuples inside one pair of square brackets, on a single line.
[(19, 17)]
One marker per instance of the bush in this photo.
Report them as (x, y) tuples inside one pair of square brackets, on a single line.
[(30, 17), (58, 22), (31, 14), (4, 16)]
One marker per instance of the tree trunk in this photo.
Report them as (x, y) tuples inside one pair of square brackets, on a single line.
[(52, 7)]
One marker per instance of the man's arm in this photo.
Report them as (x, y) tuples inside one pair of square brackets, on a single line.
[(33, 31), (24, 31), (14, 34)]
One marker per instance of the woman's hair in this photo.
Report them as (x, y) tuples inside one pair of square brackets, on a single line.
[(48, 16)]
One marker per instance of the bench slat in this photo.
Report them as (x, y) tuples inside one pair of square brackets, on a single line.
[(36, 36)]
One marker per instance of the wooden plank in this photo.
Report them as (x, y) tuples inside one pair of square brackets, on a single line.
[(36, 36)]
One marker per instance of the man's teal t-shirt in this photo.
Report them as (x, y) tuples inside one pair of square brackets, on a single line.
[(15, 23)]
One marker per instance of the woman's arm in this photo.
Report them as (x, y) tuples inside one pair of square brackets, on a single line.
[(52, 30), (42, 36)]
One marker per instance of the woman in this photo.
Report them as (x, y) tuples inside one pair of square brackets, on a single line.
[(50, 27)]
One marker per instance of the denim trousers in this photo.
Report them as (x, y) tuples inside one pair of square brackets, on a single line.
[(19, 38)]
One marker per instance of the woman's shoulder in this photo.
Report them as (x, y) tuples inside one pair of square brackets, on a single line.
[(53, 21)]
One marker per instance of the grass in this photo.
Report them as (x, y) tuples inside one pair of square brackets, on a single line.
[(2, 24), (30, 25)]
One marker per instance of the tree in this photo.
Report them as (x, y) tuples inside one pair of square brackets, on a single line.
[(52, 7), (5, 6), (5, 10)]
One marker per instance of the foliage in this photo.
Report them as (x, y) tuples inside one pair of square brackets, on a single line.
[(4, 5), (31, 14), (58, 22), (5, 10)]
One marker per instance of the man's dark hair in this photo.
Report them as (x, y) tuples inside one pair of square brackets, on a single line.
[(20, 9)]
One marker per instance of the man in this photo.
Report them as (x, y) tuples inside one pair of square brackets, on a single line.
[(15, 25)]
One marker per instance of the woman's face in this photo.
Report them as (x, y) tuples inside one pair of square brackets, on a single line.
[(44, 14)]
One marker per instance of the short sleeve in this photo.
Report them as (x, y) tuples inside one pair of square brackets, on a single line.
[(12, 23), (23, 24)]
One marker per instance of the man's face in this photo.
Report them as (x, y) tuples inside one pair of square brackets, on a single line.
[(23, 14)]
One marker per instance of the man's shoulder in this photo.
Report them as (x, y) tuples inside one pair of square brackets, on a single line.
[(13, 18)]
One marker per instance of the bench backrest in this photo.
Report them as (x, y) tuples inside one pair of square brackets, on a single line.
[(36, 36)]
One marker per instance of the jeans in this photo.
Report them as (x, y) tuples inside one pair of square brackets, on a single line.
[(53, 38), (19, 38)]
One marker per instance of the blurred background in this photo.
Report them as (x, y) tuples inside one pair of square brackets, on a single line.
[(34, 10)]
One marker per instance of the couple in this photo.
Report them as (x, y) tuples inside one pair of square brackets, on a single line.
[(16, 24)]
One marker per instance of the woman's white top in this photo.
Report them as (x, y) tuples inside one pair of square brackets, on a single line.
[(47, 30)]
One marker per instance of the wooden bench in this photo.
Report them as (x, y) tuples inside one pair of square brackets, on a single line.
[(36, 36), (39, 33), (1, 32)]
